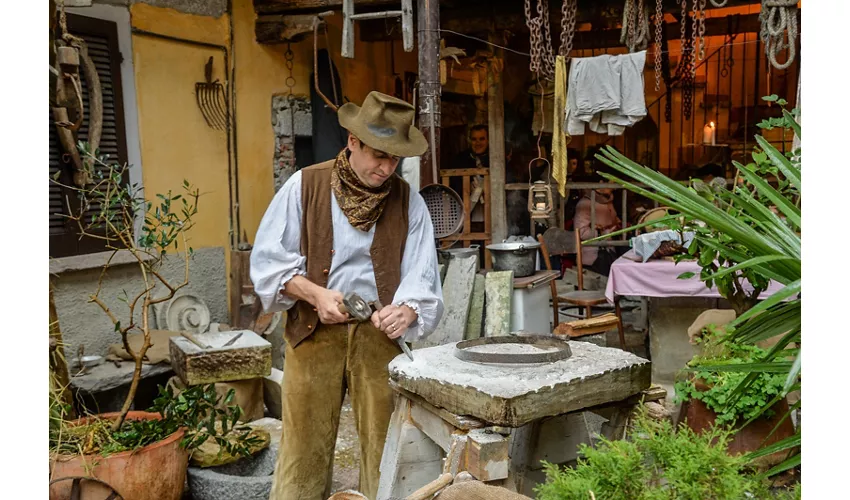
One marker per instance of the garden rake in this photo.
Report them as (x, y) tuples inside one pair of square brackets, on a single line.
[(211, 99)]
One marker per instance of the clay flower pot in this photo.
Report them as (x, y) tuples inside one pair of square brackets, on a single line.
[(700, 417), (155, 472)]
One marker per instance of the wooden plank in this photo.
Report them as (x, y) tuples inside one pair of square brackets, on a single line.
[(498, 289), (466, 237), (488, 224), (536, 279), (456, 456), (496, 122), (457, 297), (461, 172), (272, 29), (437, 429), (475, 322), (409, 458), (461, 422), (487, 456), (290, 6)]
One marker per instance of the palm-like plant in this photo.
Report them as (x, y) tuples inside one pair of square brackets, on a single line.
[(749, 232)]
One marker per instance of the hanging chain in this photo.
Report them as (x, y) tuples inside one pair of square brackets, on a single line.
[(701, 30), (694, 35), (659, 21), (568, 26), (542, 56), (684, 26), (635, 31), (289, 57), (686, 70), (665, 74)]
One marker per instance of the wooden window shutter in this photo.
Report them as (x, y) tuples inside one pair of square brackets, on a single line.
[(102, 40)]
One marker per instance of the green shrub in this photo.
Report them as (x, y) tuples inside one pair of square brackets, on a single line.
[(658, 463)]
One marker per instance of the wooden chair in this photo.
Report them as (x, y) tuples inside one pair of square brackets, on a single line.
[(557, 241)]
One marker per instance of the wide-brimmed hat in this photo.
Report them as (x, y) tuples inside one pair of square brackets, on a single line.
[(384, 123)]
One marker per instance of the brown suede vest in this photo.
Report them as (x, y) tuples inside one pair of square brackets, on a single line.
[(317, 243)]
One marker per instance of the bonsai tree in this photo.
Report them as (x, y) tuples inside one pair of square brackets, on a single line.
[(107, 209), (112, 210), (749, 232)]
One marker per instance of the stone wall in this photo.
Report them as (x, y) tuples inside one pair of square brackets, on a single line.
[(288, 113), (84, 323)]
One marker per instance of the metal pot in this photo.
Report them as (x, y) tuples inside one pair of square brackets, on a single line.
[(519, 257), (458, 253)]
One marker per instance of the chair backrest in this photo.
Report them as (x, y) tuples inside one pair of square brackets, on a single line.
[(559, 241), (579, 266)]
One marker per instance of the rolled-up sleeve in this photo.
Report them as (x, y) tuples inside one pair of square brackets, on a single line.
[(276, 257), (420, 286)]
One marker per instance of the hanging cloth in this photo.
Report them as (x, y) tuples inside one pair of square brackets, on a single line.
[(559, 137)]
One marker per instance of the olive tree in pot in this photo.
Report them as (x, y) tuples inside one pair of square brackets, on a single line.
[(747, 233), (139, 454)]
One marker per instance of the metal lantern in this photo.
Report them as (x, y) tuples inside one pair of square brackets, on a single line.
[(540, 200)]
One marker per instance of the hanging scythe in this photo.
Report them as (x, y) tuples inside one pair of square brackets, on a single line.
[(71, 53)]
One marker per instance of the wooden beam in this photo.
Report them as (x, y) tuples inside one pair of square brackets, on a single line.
[(272, 29), (496, 119), (300, 6)]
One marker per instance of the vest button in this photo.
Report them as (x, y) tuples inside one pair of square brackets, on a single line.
[(309, 326), (315, 310), (325, 271), (333, 252)]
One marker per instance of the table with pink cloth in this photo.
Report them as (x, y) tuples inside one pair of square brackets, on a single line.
[(659, 278)]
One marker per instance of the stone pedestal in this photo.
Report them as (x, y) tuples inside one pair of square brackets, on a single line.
[(498, 421), (247, 358)]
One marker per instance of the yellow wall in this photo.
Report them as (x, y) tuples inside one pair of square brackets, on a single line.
[(176, 143)]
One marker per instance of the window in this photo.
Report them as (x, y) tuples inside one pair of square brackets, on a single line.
[(102, 40)]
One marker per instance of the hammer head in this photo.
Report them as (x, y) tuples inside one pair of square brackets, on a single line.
[(357, 307)]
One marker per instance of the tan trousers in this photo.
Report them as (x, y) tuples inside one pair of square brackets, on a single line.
[(317, 373)]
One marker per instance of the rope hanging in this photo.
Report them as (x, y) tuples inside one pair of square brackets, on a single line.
[(778, 17), (635, 31)]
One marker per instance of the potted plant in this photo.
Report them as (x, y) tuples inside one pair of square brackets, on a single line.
[(748, 233), (140, 454)]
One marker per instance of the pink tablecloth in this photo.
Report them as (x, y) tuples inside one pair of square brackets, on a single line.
[(659, 278)]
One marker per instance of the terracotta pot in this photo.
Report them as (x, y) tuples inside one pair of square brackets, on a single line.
[(155, 472), (700, 418)]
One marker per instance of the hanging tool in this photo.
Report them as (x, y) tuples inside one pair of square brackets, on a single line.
[(362, 311), (211, 101), (348, 18)]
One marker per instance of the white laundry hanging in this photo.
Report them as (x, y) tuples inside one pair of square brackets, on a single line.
[(606, 93)]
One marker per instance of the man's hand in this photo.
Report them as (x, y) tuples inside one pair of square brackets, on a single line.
[(327, 306), (394, 320), (326, 302)]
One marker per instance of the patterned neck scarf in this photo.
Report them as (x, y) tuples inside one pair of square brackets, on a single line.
[(361, 204)]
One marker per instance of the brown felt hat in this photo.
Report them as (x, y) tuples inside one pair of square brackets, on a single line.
[(384, 123)]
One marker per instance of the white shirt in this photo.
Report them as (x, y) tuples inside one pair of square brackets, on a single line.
[(276, 258)]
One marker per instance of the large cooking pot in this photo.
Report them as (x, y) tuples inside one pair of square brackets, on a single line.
[(519, 257)]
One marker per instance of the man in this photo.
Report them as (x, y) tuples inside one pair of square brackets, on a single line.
[(347, 225), (478, 154)]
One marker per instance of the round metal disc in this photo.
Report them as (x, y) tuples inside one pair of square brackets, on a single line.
[(562, 350)]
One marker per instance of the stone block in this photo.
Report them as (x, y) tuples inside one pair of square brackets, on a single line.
[(249, 357), (487, 455), (498, 291), (272, 393), (513, 395), (457, 296), (475, 322)]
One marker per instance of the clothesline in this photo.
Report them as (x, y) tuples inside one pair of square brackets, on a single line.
[(526, 54)]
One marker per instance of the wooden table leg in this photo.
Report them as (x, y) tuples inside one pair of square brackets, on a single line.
[(620, 329)]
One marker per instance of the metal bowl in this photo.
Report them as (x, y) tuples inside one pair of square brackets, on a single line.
[(91, 361)]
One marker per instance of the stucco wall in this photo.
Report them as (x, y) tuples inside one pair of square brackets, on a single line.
[(86, 324)]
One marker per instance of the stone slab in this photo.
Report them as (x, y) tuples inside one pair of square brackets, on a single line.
[(249, 357), (107, 376), (475, 322), (272, 392), (513, 395), (457, 296), (498, 291)]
